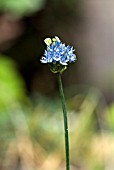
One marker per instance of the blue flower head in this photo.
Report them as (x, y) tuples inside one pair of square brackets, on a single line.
[(57, 55)]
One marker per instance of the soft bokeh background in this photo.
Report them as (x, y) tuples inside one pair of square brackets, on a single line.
[(31, 122)]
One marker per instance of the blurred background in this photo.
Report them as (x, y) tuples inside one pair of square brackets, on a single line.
[(31, 121)]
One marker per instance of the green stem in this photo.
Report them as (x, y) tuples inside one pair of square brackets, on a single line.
[(65, 121)]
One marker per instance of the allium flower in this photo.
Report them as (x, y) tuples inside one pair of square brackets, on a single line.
[(57, 55)]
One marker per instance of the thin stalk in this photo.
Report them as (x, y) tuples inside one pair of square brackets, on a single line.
[(65, 121)]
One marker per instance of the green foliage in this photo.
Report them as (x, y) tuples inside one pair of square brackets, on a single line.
[(11, 84), (21, 7), (110, 116)]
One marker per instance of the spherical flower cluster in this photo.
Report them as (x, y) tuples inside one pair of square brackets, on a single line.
[(57, 55)]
